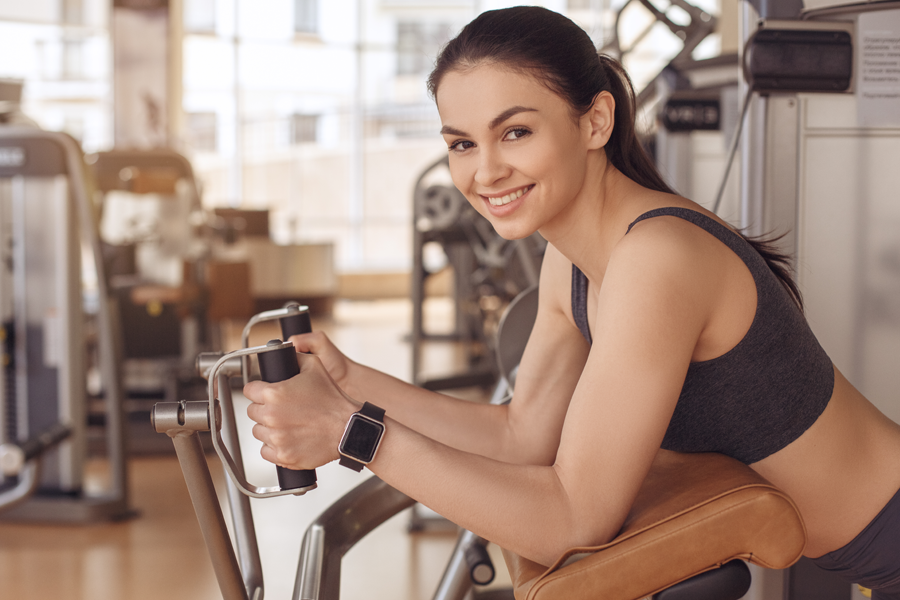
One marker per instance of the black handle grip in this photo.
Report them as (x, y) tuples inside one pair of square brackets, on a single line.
[(44, 440), (481, 567), (279, 364), (296, 322)]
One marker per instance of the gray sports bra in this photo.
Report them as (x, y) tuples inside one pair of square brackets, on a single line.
[(762, 394)]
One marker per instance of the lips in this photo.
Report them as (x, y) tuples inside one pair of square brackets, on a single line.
[(500, 201)]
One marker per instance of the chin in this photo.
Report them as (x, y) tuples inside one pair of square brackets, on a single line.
[(513, 233)]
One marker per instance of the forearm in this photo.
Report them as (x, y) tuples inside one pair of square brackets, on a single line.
[(522, 508), (475, 427)]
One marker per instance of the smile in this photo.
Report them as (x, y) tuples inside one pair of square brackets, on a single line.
[(509, 197)]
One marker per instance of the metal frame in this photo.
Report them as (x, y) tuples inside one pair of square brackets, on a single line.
[(354, 515), (330, 536), (50, 154)]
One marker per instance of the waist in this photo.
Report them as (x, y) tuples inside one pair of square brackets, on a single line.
[(841, 472)]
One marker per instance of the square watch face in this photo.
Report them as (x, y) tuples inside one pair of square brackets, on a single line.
[(361, 438)]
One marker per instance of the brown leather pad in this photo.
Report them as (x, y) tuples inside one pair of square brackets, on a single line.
[(693, 513)]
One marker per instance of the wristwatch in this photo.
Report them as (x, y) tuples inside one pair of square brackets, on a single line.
[(362, 436)]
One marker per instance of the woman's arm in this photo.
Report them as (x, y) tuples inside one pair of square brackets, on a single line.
[(527, 431), (651, 310)]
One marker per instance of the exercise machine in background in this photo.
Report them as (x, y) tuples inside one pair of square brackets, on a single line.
[(816, 140), (487, 273), (156, 245), (58, 322)]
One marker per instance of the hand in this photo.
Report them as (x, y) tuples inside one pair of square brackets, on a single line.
[(335, 362), (300, 421)]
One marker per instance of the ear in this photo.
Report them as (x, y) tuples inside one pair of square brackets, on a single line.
[(600, 120)]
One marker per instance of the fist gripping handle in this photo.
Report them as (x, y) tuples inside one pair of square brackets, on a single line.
[(295, 322), (279, 364)]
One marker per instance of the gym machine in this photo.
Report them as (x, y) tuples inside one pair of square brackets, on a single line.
[(60, 338), (334, 532), (687, 498), (155, 250), (488, 272), (817, 164), (806, 112)]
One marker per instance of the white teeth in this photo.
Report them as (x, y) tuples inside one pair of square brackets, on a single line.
[(509, 197)]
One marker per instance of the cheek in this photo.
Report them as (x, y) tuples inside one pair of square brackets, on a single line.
[(462, 173)]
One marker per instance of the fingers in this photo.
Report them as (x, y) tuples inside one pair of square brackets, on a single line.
[(262, 433), (308, 343), (307, 361), (259, 392), (268, 454), (254, 391), (294, 418), (268, 450), (256, 412)]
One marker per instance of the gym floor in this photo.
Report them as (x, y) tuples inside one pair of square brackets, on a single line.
[(160, 554)]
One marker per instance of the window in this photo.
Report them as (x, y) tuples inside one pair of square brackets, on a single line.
[(201, 131), (304, 128), (306, 16), (73, 12), (200, 16), (73, 59), (418, 43)]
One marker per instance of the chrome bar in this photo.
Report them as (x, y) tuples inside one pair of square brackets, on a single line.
[(268, 315), (241, 515), (309, 569), (29, 477), (228, 462), (338, 529), (207, 360), (209, 515), (457, 578)]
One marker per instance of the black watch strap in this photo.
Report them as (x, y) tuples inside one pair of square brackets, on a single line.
[(348, 462), (373, 412)]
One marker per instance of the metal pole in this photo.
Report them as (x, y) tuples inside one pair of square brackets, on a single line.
[(241, 515), (209, 515), (457, 580)]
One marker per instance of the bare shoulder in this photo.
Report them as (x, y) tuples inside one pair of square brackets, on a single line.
[(669, 247), (668, 265)]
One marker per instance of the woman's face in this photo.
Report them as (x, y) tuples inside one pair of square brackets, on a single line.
[(515, 150)]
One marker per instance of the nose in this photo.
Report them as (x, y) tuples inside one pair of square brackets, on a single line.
[(491, 168)]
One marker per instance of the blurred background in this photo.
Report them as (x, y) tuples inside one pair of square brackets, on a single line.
[(315, 111), (170, 168)]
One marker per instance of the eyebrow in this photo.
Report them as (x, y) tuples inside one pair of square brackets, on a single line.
[(495, 122)]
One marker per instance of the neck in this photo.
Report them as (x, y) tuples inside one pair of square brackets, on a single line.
[(597, 219)]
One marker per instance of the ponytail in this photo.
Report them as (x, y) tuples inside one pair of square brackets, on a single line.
[(624, 150)]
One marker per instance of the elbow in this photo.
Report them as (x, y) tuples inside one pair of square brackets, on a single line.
[(530, 448), (574, 526), (552, 551)]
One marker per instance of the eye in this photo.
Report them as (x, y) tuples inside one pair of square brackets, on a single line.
[(460, 146), (516, 133)]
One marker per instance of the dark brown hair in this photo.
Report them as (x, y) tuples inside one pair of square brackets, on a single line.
[(561, 55)]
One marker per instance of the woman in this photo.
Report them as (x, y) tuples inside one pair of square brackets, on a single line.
[(701, 344)]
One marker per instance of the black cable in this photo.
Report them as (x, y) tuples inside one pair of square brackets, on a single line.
[(734, 144)]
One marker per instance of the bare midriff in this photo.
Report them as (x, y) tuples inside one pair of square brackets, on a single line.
[(841, 471)]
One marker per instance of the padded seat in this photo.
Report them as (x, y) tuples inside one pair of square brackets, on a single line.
[(694, 513)]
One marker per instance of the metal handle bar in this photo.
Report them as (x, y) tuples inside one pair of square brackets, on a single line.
[(13, 456), (235, 473), (268, 315), (29, 478), (23, 460)]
